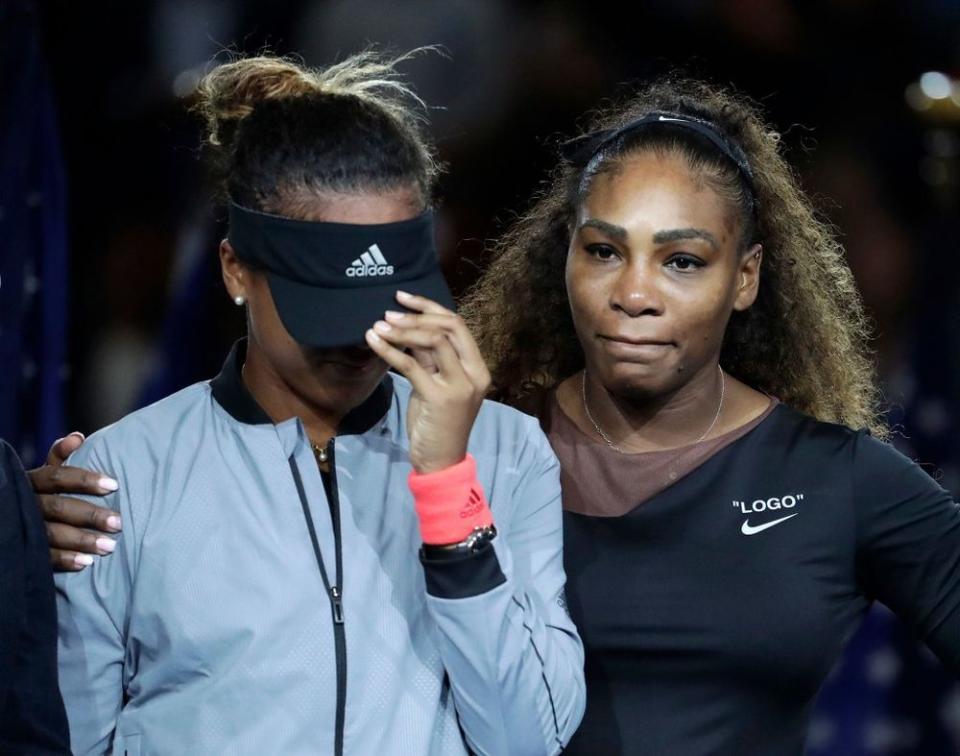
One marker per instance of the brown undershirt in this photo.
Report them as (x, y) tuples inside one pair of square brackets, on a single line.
[(601, 482)]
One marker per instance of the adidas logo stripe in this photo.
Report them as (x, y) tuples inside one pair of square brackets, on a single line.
[(370, 263)]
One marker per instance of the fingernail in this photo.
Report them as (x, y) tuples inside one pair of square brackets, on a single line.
[(78, 433), (404, 295), (394, 315), (106, 545), (373, 335), (382, 327), (113, 522), (108, 484), (82, 560)]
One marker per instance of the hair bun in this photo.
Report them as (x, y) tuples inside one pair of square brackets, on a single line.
[(230, 91), (358, 114)]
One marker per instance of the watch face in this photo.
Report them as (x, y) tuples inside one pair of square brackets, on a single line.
[(469, 545), (479, 537)]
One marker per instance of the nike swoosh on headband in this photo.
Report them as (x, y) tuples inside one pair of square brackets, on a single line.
[(580, 150)]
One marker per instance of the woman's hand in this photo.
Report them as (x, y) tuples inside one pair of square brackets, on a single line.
[(67, 519), (446, 370)]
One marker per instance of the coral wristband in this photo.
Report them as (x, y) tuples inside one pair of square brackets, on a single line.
[(450, 503)]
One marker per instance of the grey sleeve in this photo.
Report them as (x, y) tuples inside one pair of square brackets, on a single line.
[(92, 611), (511, 651)]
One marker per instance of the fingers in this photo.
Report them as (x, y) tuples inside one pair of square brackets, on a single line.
[(400, 361), (72, 549), (450, 323), (61, 479), (69, 538), (421, 304), (459, 335), (70, 544), (80, 513), (432, 341), (64, 447), (69, 561), (425, 359)]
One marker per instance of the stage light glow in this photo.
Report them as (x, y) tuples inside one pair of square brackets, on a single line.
[(936, 85)]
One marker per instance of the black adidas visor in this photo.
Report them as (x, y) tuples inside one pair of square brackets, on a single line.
[(331, 281)]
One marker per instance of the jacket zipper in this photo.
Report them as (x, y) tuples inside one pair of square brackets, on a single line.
[(334, 590)]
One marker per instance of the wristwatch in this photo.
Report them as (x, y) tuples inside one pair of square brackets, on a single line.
[(478, 538)]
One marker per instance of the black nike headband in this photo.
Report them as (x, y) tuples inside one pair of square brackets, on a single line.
[(581, 150)]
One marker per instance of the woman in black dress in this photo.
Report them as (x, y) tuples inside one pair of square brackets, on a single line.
[(691, 338)]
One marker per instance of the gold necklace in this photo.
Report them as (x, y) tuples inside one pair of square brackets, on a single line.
[(596, 426)]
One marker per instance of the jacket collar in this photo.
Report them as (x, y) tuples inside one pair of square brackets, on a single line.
[(232, 394)]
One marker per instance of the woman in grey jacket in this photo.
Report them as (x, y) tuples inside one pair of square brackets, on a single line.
[(264, 595)]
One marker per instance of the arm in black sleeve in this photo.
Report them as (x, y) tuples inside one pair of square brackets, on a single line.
[(32, 718), (908, 544)]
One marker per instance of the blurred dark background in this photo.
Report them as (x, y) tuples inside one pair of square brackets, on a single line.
[(121, 302)]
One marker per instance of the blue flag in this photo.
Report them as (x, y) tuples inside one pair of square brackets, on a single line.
[(33, 242)]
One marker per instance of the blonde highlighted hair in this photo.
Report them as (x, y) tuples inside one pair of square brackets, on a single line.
[(268, 113)]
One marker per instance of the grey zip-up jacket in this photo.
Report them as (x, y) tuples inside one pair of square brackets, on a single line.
[(245, 613)]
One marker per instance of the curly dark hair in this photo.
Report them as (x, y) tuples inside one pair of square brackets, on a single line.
[(805, 338)]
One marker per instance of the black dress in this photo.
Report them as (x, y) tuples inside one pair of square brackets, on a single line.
[(32, 719), (713, 611)]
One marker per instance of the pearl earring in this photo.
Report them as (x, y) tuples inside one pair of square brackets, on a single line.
[(238, 301)]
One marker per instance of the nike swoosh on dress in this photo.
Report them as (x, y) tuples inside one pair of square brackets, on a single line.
[(748, 529)]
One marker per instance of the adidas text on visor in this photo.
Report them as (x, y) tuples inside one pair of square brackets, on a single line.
[(331, 281)]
